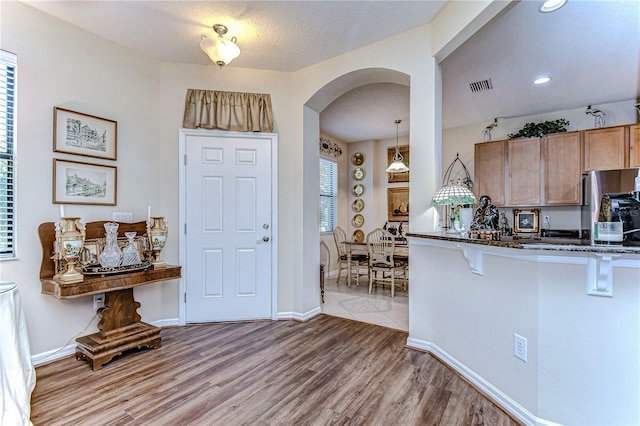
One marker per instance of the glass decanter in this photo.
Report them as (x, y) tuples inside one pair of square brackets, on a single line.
[(111, 255), (131, 254)]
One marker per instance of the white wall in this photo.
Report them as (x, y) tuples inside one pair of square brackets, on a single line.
[(462, 140), (61, 65)]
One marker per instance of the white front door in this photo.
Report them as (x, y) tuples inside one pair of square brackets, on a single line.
[(227, 210)]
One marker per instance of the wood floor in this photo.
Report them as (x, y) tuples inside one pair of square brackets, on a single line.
[(327, 371)]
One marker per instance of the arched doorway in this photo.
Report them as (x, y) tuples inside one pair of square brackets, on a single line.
[(322, 99)]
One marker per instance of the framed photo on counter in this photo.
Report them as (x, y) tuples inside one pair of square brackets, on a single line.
[(526, 221)]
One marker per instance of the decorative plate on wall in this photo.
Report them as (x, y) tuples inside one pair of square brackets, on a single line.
[(358, 236), (358, 205), (358, 173), (358, 220), (357, 159), (358, 190)]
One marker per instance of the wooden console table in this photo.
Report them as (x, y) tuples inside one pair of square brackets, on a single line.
[(120, 325)]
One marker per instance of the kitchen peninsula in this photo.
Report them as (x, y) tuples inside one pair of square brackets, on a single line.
[(577, 306)]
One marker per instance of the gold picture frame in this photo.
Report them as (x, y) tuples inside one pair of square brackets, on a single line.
[(398, 204), (526, 221), (75, 182), (398, 177), (84, 134)]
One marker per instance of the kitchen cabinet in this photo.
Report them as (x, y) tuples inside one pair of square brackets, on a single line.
[(523, 172), (634, 141), (562, 159), (606, 148), (489, 166)]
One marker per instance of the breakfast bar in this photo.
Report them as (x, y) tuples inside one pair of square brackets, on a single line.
[(548, 329)]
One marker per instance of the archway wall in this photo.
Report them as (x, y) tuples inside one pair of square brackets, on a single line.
[(410, 54)]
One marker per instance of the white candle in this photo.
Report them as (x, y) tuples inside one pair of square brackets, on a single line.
[(61, 210), (148, 213)]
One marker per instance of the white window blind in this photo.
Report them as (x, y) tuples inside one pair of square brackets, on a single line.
[(328, 195), (7, 182)]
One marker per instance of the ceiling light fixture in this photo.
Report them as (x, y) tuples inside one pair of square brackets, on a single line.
[(397, 166), (552, 5), (542, 80), (219, 49)]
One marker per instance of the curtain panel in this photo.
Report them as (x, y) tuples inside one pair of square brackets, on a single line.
[(235, 111)]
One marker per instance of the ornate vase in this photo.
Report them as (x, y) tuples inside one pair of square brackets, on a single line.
[(70, 234), (111, 256), (157, 233)]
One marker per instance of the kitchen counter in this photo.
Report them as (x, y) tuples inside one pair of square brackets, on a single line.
[(544, 243), (577, 306)]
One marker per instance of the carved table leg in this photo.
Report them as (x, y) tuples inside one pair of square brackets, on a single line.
[(120, 330)]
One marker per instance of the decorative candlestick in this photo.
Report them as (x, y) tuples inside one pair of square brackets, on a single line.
[(70, 234), (157, 233)]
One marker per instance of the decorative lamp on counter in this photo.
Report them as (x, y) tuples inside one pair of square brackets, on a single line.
[(397, 166), (454, 193), (157, 233), (219, 49)]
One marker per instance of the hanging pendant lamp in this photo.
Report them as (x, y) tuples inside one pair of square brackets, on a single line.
[(397, 166)]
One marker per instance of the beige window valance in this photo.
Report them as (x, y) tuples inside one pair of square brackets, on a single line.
[(235, 111)]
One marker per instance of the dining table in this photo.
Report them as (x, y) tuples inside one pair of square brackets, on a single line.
[(401, 251)]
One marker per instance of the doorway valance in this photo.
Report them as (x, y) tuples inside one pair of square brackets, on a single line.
[(235, 111)]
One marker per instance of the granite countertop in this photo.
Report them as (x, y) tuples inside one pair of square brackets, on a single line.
[(554, 244)]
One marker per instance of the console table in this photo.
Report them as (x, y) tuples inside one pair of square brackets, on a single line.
[(120, 325)]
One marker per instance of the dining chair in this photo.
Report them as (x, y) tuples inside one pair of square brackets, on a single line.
[(381, 247), (357, 260)]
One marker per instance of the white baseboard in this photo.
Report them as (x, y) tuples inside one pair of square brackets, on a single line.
[(296, 316), (508, 404), (70, 349)]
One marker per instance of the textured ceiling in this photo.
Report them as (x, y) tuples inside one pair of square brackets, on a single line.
[(591, 49)]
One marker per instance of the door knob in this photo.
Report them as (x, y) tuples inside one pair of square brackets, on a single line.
[(265, 239)]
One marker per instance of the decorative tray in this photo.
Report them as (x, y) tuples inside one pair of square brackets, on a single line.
[(96, 269)]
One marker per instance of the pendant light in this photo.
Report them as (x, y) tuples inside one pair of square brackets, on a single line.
[(219, 49), (397, 166)]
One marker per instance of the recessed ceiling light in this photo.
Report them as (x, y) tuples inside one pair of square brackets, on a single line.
[(542, 80), (551, 5)]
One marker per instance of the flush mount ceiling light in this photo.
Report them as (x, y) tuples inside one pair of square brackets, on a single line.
[(552, 5), (219, 49), (397, 166), (542, 80)]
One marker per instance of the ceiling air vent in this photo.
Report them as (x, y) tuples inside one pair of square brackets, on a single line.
[(481, 86)]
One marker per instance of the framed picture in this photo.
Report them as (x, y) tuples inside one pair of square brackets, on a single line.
[(84, 183), (398, 177), (526, 221), (91, 250), (83, 134), (398, 204)]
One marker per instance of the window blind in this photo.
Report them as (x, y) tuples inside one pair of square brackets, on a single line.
[(328, 195), (7, 182)]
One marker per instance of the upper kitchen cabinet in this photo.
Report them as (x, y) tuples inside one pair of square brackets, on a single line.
[(523, 172), (606, 148), (562, 158), (489, 164), (634, 152)]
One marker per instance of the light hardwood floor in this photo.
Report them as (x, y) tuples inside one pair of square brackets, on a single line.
[(327, 371)]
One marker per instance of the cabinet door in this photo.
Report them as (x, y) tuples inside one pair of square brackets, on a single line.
[(489, 161), (634, 137), (561, 154), (606, 149), (524, 174)]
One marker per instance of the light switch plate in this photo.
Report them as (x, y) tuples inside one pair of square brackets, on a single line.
[(124, 217)]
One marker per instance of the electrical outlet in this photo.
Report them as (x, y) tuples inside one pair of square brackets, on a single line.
[(98, 301), (546, 220), (520, 347)]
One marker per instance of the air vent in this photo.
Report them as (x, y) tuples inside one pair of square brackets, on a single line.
[(481, 86)]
